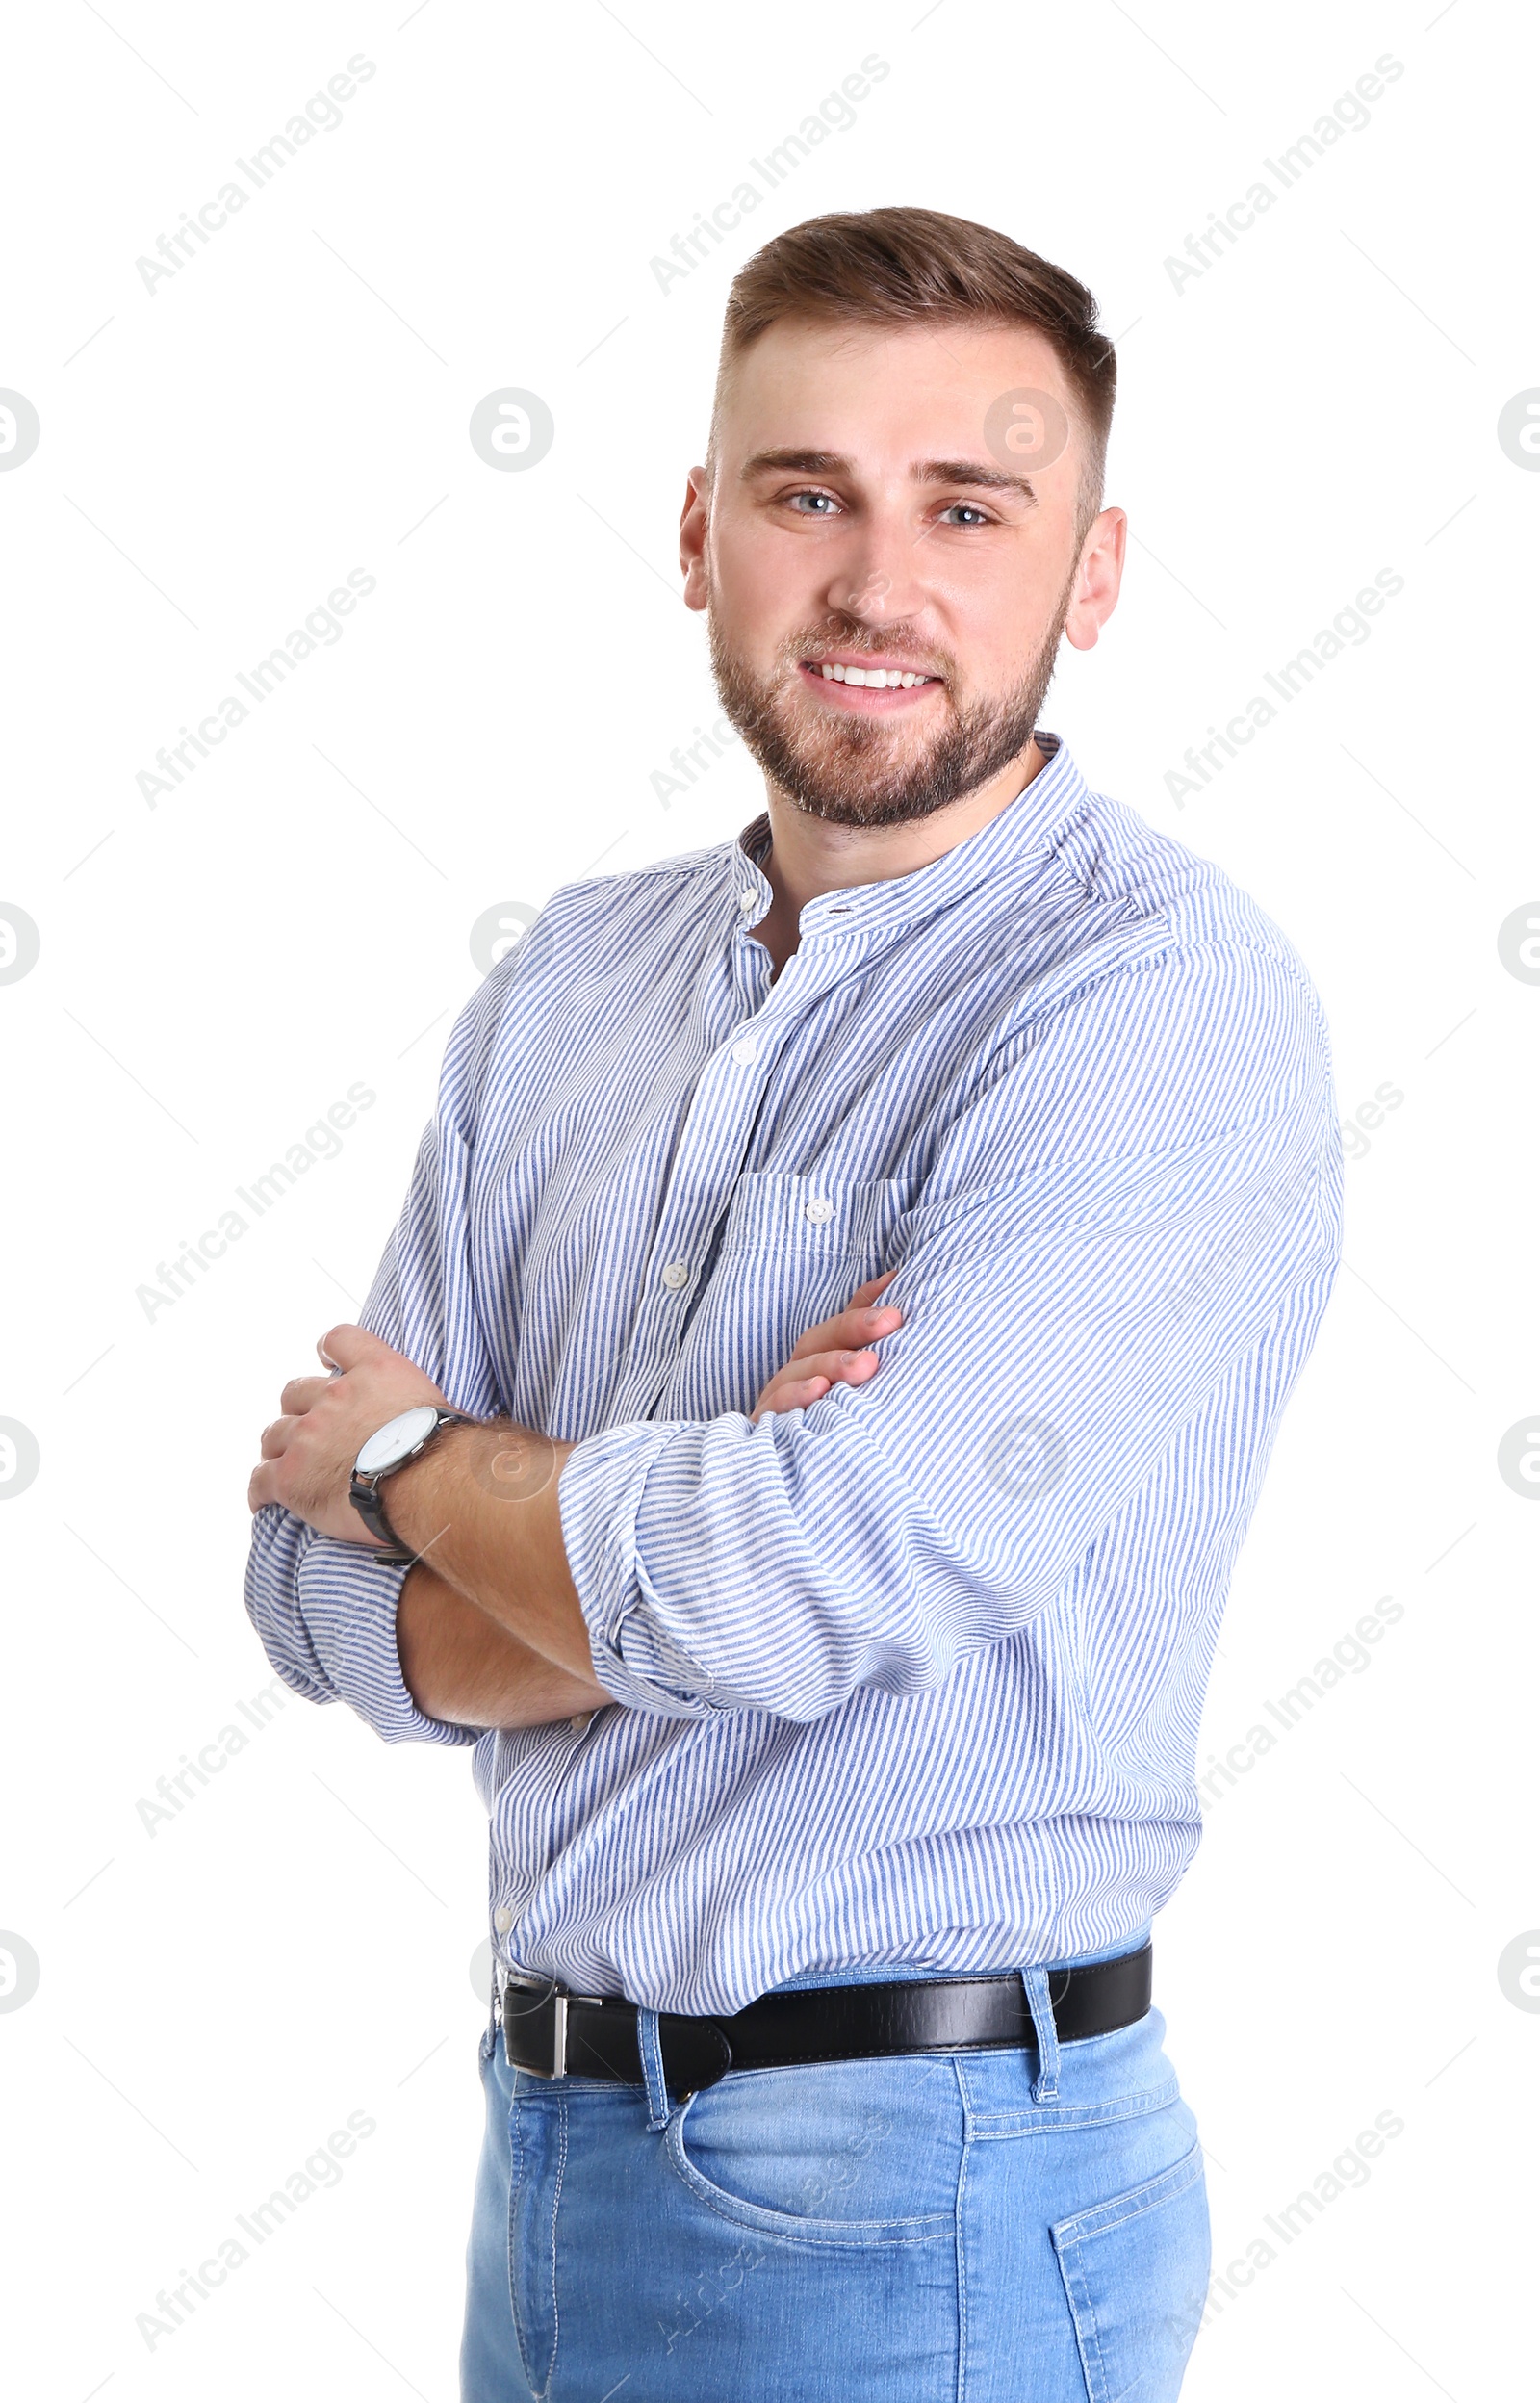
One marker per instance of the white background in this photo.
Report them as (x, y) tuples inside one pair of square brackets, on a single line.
[(216, 455)]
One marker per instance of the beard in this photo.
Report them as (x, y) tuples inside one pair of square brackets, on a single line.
[(865, 771)]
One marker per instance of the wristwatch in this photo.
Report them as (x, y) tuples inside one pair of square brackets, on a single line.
[(403, 1439)]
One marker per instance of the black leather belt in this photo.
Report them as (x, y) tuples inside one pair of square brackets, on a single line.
[(553, 2032)]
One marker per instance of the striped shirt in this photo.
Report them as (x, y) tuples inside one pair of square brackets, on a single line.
[(911, 1678)]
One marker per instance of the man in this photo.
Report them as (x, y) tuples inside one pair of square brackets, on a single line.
[(871, 1257)]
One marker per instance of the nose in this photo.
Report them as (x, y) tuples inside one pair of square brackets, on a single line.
[(879, 581)]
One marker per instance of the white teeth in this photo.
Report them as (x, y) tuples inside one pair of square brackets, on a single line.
[(884, 677)]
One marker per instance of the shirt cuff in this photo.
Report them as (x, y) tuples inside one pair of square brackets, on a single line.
[(326, 1613), (635, 1659)]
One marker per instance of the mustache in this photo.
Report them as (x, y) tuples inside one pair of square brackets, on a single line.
[(893, 643)]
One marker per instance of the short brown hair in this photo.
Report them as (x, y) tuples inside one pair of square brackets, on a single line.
[(906, 267)]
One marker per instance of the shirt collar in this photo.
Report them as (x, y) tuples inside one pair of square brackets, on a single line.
[(1026, 825)]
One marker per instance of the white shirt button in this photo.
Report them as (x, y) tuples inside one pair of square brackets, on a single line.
[(820, 1209), (676, 1275), (748, 902), (579, 1721), (502, 1920), (746, 1053)]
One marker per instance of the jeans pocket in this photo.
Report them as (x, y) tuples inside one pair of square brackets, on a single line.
[(843, 2154), (1135, 2270)]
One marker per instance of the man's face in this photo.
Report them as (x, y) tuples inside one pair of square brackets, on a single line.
[(868, 513)]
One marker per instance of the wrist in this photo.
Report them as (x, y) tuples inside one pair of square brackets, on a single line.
[(383, 1459), (415, 1495), (482, 1505)]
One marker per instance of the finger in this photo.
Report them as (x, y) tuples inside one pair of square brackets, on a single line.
[(856, 1327), (873, 1286), (790, 1393), (821, 1370), (853, 1327), (300, 1394), (345, 1346), (258, 1489), (275, 1438), (841, 1367)]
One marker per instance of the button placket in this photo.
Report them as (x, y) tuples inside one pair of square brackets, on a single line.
[(722, 1100), (707, 1165)]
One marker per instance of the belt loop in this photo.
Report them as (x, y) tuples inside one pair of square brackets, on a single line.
[(649, 2045), (1039, 2003)]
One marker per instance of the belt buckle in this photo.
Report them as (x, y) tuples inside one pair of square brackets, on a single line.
[(558, 2040), (559, 1998)]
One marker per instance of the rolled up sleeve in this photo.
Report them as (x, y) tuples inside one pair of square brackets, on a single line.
[(1077, 1277), (324, 1609), (326, 1617)]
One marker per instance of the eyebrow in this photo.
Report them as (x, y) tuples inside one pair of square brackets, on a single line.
[(970, 472)]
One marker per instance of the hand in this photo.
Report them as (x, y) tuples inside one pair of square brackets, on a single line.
[(308, 1454), (828, 1354)]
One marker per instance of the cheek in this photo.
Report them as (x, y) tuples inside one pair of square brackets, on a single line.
[(992, 616), (766, 588)]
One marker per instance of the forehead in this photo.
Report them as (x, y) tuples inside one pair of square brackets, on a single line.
[(887, 395)]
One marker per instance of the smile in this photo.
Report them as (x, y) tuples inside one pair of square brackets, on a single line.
[(866, 685)]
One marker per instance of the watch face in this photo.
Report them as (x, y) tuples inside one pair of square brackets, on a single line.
[(391, 1443)]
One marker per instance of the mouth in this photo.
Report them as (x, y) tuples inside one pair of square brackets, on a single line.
[(868, 687)]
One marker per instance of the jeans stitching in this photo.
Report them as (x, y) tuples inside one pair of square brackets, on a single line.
[(556, 2206), (515, 2185), (1047, 2116), (832, 2233), (962, 2239), (1160, 2193), (1193, 2163), (1088, 2340)]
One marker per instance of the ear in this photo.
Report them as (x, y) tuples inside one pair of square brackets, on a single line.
[(694, 521), (1098, 579)]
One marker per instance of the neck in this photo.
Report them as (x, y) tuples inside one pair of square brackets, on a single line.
[(809, 855)]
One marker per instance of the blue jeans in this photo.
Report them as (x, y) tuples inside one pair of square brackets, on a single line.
[(915, 2228)]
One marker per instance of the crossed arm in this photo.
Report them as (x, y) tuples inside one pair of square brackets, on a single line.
[(492, 1633)]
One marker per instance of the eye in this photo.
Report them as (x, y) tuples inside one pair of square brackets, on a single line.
[(826, 499), (971, 510)]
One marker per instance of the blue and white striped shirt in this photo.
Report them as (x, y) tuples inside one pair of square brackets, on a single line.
[(911, 1678)]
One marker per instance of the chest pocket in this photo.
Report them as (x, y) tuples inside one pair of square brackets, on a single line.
[(791, 1252), (820, 1218)]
